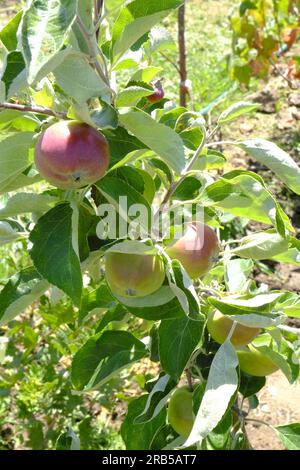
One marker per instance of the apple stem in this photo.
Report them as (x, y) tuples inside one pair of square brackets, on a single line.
[(189, 379)]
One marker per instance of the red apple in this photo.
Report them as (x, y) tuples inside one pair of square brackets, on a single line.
[(71, 154), (197, 250), (158, 94)]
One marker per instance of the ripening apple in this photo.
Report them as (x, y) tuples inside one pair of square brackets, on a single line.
[(71, 154), (158, 94), (197, 250), (254, 362), (132, 275), (180, 411), (219, 326)]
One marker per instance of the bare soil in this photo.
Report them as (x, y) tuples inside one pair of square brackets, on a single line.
[(279, 405)]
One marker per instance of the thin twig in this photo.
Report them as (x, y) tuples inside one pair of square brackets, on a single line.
[(183, 90), (213, 132), (34, 109), (289, 82), (221, 142), (93, 49), (168, 59), (8, 8), (98, 7), (176, 184), (260, 422), (189, 379)]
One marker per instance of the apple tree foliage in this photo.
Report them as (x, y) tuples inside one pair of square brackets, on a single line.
[(63, 60), (265, 35)]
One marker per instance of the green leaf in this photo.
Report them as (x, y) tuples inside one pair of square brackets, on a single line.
[(14, 155), (19, 181), (237, 273), (115, 314), (217, 439), (157, 399), (13, 67), (289, 304), (131, 95), (270, 155), (104, 355), (145, 74), (133, 247), (250, 311), (8, 35), (290, 370), (158, 137), (114, 188), (243, 193), (105, 118), (50, 22), (261, 245), (291, 255), (221, 386), (290, 435), (140, 436), (23, 203), (53, 254), (236, 110), (136, 19), (211, 160), (121, 143), (161, 305), (8, 234), (160, 39), (68, 441), (188, 190), (177, 340), (2, 92), (79, 80), (170, 118), (20, 291), (184, 290), (132, 176), (250, 385), (18, 120), (97, 299)]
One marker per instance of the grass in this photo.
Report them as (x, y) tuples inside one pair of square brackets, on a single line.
[(208, 42)]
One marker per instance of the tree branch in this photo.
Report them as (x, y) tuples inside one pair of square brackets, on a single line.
[(175, 185), (221, 142), (277, 69), (189, 379), (98, 8), (93, 48), (182, 56), (34, 109), (172, 62)]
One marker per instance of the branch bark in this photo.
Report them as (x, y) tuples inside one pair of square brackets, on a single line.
[(182, 56), (93, 48), (34, 109)]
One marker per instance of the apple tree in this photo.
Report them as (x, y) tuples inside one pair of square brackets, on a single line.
[(92, 146)]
